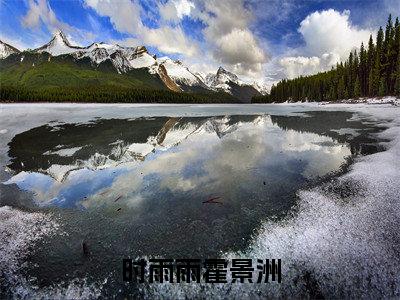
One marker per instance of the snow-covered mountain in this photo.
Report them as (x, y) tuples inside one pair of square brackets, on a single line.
[(139, 57), (123, 58), (6, 50), (175, 75), (58, 45), (222, 79), (230, 83), (181, 74), (261, 87)]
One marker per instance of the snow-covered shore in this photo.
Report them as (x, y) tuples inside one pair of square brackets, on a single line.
[(377, 100), (333, 245), (351, 245)]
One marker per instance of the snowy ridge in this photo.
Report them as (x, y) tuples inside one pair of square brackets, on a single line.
[(6, 50), (123, 58), (139, 57), (97, 52), (222, 79), (179, 73), (58, 45), (228, 82), (384, 100), (175, 75), (262, 88)]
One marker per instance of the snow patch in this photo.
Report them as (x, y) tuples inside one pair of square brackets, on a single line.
[(381, 100), (64, 152), (142, 61), (58, 45), (178, 72)]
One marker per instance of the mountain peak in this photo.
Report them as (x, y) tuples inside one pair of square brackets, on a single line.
[(6, 49), (59, 32), (58, 45), (225, 76), (221, 70), (59, 35)]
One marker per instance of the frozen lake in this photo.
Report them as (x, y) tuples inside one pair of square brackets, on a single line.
[(314, 185)]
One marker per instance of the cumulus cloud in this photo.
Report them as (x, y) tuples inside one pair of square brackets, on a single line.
[(331, 31), (176, 9), (228, 33), (170, 40), (329, 37), (126, 17), (300, 65), (228, 39), (239, 49)]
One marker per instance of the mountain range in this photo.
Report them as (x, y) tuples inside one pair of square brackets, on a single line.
[(59, 63)]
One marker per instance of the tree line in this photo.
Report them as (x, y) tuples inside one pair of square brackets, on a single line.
[(107, 94), (373, 70)]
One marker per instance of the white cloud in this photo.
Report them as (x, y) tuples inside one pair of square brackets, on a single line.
[(168, 11), (228, 40), (331, 31), (126, 18), (175, 10), (39, 11), (15, 42), (170, 40), (329, 37), (239, 49), (300, 65), (229, 36)]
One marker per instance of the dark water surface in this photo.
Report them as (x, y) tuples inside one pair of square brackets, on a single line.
[(136, 187)]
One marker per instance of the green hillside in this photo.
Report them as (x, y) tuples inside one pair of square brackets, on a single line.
[(41, 71), (31, 77)]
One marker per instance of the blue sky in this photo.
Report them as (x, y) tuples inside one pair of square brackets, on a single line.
[(260, 40)]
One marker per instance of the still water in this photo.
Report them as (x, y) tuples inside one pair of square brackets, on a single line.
[(132, 184)]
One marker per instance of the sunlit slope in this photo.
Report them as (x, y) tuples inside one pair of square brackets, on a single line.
[(41, 71), (39, 77)]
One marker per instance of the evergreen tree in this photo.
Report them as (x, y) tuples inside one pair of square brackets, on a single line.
[(357, 89), (341, 89), (397, 82), (382, 87), (363, 71), (374, 77), (370, 54), (379, 42)]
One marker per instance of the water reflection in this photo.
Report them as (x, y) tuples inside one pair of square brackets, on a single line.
[(89, 165), (138, 187), (339, 125)]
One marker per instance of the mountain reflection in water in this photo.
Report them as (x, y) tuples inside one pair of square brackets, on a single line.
[(88, 165), (140, 187)]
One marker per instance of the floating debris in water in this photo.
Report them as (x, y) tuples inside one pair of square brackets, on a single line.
[(212, 200)]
